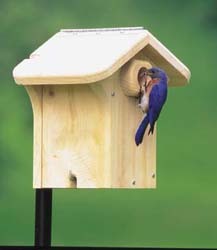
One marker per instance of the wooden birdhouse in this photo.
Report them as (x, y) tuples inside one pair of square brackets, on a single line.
[(83, 86)]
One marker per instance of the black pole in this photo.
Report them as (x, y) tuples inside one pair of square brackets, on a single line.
[(43, 213)]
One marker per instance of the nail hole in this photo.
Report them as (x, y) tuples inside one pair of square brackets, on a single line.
[(153, 175), (51, 93), (133, 182), (113, 94)]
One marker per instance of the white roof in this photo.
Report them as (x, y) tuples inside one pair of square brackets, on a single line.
[(89, 55)]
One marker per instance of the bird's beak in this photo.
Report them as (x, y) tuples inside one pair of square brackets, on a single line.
[(149, 73)]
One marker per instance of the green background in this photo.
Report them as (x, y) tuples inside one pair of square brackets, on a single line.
[(182, 211)]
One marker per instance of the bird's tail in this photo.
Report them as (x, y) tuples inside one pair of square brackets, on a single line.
[(141, 130)]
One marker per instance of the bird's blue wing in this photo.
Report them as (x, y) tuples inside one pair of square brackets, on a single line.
[(157, 99)]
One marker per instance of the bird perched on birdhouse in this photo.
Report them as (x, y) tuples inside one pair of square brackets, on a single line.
[(153, 95), (84, 86)]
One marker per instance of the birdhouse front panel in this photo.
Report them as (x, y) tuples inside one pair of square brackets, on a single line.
[(85, 137), (85, 105)]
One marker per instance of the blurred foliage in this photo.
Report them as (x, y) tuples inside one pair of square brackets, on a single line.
[(181, 212)]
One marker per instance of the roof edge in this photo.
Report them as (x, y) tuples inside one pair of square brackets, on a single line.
[(169, 56), (23, 79)]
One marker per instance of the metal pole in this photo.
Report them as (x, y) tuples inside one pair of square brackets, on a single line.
[(43, 214)]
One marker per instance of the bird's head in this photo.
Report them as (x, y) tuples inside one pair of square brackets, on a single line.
[(148, 77), (156, 73)]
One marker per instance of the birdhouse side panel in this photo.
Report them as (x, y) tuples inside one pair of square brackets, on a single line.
[(131, 166), (35, 94)]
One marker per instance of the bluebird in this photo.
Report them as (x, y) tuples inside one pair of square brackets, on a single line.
[(153, 95)]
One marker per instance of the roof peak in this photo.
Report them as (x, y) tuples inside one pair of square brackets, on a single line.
[(96, 30)]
